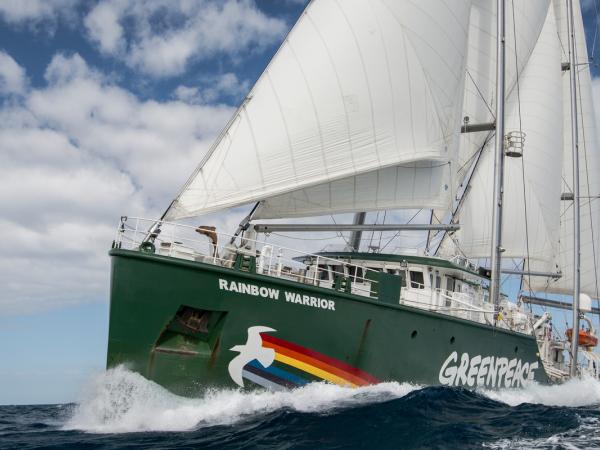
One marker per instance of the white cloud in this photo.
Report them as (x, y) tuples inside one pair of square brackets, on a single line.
[(63, 69), (34, 12), (103, 27), (165, 35), (12, 75), (211, 89), (76, 155)]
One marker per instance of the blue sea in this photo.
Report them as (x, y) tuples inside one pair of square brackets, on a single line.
[(122, 410)]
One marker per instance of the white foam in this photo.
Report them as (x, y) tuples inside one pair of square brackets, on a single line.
[(573, 393), (584, 436), (119, 401)]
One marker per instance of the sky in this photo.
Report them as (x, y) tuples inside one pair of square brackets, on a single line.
[(106, 107)]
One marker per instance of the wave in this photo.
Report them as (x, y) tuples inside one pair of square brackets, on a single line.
[(120, 401), (572, 393)]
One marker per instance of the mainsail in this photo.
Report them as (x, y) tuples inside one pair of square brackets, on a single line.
[(361, 102)]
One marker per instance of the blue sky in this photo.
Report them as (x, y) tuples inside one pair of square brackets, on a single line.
[(106, 107)]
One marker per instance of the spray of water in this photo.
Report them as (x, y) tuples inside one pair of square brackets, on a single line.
[(573, 393), (120, 401)]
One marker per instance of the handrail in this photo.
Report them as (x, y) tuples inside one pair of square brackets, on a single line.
[(173, 235), (283, 262), (192, 227)]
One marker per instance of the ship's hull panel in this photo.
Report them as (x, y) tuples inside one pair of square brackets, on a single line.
[(176, 322)]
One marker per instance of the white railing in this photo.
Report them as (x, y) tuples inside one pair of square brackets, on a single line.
[(458, 304), (184, 242)]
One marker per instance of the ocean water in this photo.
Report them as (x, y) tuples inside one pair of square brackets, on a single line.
[(122, 410)]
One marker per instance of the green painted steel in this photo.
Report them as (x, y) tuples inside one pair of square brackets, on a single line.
[(175, 321)]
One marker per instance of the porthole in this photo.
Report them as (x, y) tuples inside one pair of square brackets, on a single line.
[(452, 339), (413, 334), (516, 349)]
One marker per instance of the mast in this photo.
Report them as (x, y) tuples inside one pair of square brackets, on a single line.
[(499, 160), (355, 237), (576, 205)]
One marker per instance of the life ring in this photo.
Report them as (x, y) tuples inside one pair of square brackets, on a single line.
[(585, 338)]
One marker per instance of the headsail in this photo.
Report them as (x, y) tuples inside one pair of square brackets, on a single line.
[(536, 109), (523, 29), (359, 94), (589, 169), (524, 22)]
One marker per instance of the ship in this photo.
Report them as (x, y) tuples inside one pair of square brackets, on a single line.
[(477, 114)]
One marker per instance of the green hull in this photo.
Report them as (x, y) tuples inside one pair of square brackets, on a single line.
[(175, 321)]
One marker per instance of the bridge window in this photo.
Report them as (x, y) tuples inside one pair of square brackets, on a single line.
[(355, 273), (416, 279), (323, 273)]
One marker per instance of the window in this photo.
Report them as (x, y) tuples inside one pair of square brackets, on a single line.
[(355, 273), (438, 281), (450, 284), (337, 271), (323, 273), (416, 279)]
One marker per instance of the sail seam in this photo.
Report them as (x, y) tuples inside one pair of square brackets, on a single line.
[(339, 83), (368, 84), (285, 124)]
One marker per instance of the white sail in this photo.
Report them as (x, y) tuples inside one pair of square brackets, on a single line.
[(523, 29), (531, 191), (357, 87), (409, 186), (479, 103), (589, 169)]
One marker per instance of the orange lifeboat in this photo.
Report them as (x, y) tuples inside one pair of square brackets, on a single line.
[(586, 339)]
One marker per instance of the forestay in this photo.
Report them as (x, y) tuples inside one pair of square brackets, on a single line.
[(362, 100)]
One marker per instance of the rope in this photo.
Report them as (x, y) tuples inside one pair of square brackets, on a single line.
[(481, 95), (595, 31), (523, 156), (340, 234), (381, 233), (398, 232), (373, 233), (587, 176)]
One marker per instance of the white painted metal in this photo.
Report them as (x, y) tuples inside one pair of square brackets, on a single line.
[(576, 201), (498, 193)]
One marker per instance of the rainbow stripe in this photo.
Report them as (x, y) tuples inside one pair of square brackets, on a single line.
[(304, 360)]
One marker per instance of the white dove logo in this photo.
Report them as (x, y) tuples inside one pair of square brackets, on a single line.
[(249, 352)]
